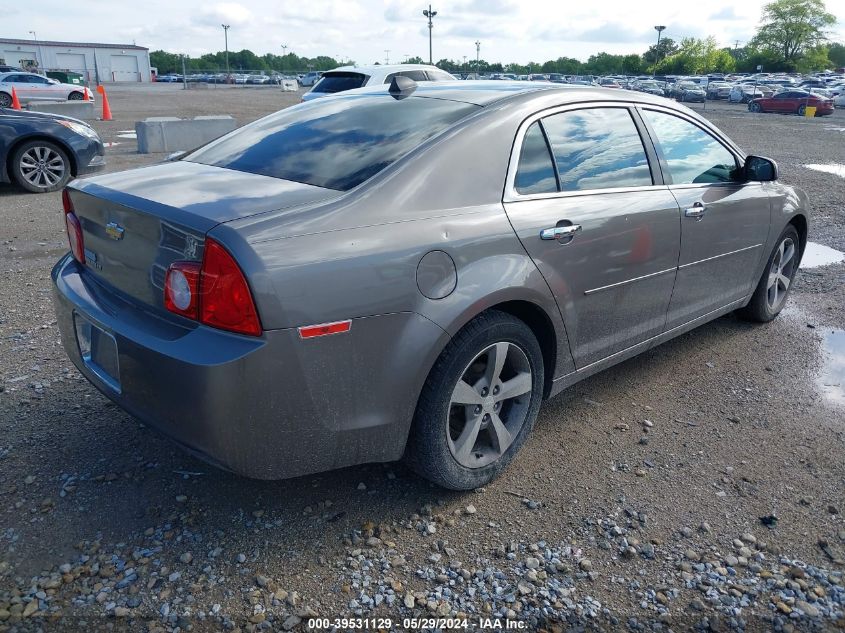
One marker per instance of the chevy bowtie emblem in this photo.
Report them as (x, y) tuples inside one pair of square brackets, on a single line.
[(114, 231)]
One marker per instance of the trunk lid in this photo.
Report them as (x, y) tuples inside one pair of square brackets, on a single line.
[(136, 223)]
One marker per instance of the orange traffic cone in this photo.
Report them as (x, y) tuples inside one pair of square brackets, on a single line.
[(106, 108), (85, 95), (16, 104)]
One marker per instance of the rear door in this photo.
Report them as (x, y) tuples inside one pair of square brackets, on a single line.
[(23, 89), (601, 229), (724, 221)]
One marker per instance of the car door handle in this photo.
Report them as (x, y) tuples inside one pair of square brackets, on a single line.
[(695, 211), (559, 232)]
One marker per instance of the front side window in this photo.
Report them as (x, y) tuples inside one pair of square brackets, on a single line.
[(536, 171), (333, 143), (597, 148), (693, 156)]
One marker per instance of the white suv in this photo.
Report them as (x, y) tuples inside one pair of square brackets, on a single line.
[(351, 77)]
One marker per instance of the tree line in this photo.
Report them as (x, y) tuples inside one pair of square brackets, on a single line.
[(792, 37)]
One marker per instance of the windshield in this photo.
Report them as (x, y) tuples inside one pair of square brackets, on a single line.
[(339, 81), (333, 143)]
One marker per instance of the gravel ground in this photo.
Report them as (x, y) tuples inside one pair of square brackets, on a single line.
[(698, 486)]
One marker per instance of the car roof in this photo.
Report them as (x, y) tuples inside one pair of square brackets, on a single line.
[(483, 93), (382, 70)]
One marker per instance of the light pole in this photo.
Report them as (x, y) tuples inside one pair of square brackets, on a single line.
[(284, 54), (38, 49), (387, 57), (226, 38), (660, 28), (477, 56), (464, 67), (430, 15)]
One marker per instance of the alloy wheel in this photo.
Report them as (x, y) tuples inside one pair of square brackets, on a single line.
[(780, 274), (42, 167), (5, 100), (489, 405)]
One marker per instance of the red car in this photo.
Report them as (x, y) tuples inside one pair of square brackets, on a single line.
[(791, 101)]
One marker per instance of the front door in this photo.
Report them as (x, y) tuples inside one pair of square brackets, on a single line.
[(602, 233), (724, 221)]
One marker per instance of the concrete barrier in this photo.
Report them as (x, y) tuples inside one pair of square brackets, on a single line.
[(77, 109), (170, 134), (289, 85)]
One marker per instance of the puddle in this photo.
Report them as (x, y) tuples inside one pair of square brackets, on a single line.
[(832, 168), (127, 134), (832, 379), (816, 255), (835, 129)]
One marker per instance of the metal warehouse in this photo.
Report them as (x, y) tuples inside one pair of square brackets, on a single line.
[(98, 63)]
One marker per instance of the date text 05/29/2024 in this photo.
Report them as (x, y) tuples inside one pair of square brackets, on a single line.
[(412, 624)]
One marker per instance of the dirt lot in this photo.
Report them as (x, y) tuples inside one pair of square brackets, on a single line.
[(699, 485)]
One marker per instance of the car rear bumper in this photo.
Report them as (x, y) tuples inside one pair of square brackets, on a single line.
[(267, 407)]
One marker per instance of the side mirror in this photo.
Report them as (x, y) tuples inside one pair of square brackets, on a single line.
[(175, 156), (760, 169)]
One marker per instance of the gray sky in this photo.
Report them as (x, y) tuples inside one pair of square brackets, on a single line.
[(509, 30)]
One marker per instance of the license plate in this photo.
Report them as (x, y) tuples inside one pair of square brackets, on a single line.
[(98, 350)]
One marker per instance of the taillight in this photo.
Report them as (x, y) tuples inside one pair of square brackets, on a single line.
[(215, 293), (182, 289), (74, 229)]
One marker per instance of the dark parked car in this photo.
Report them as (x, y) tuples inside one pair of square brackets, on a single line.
[(41, 152), (320, 288), (689, 92), (792, 102)]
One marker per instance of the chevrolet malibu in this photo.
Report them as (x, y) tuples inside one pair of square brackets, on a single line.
[(411, 270)]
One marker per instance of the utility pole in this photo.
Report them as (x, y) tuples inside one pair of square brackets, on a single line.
[(226, 37), (284, 54), (659, 29), (477, 56), (430, 15), (37, 51), (464, 67), (184, 74), (387, 57)]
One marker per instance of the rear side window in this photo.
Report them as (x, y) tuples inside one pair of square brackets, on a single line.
[(338, 82), (693, 155), (597, 148), (439, 75), (333, 143), (416, 75), (536, 171)]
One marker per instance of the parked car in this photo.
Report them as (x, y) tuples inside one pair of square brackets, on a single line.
[(792, 102), (743, 93), (33, 87), (309, 79), (351, 77), (170, 79), (41, 152), (5, 68), (718, 90), (320, 288), (258, 79), (649, 87), (687, 91)]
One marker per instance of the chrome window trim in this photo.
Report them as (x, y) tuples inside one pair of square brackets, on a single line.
[(630, 281), (512, 195)]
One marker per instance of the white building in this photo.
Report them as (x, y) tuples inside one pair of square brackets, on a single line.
[(96, 62)]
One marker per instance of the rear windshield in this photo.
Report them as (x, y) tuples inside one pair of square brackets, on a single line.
[(333, 143), (340, 81)]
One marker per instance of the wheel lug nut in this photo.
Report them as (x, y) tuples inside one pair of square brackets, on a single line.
[(484, 391), (477, 409), (495, 390)]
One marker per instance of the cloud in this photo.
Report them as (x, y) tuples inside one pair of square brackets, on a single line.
[(727, 14), (225, 13), (610, 32)]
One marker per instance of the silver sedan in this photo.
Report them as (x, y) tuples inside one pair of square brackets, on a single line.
[(34, 87), (410, 271)]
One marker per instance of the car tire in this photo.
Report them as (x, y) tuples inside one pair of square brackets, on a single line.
[(75, 96), (5, 100), (40, 166), (776, 281), (461, 446), (754, 107), (801, 110)]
